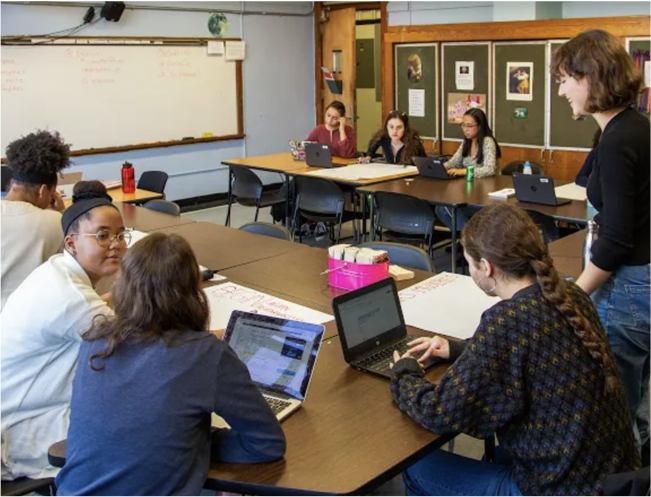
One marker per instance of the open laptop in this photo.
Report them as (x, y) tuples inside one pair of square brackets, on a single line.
[(536, 189), (318, 155), (431, 167), (280, 355), (371, 327), (67, 182)]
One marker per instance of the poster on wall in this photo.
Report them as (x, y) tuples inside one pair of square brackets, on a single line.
[(417, 103), (414, 68), (464, 72), (519, 81), (459, 103)]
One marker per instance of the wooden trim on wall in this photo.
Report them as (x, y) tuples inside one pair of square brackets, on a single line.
[(240, 98), (356, 5), (384, 24), (318, 63)]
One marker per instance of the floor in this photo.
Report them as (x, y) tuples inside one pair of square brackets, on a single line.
[(463, 445)]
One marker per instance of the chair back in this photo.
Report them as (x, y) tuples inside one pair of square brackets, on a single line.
[(27, 486), (319, 195), (403, 255), (546, 225), (153, 181), (246, 184), (403, 213), (7, 174), (164, 206), (518, 166), (630, 483), (268, 229)]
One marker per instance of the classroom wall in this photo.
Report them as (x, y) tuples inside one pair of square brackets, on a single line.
[(278, 84), (369, 109)]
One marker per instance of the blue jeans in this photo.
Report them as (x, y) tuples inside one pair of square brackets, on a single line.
[(623, 306), (444, 213), (445, 473)]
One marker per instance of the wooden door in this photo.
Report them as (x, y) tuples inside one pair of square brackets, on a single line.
[(338, 34)]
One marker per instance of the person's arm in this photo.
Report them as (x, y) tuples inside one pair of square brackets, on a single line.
[(347, 142), (373, 145), (586, 169), (313, 136), (255, 434), (488, 167), (456, 160), (592, 278)]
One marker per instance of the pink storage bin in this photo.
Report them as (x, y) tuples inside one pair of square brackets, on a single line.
[(351, 276)]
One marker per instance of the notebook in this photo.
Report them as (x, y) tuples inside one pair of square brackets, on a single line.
[(280, 355)]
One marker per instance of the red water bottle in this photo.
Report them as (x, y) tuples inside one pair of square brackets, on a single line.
[(128, 178)]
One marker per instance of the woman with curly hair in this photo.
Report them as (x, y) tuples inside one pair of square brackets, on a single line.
[(31, 211), (399, 141)]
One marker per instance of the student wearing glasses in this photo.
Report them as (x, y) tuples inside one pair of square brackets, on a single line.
[(335, 132), (399, 141), (42, 325), (479, 149)]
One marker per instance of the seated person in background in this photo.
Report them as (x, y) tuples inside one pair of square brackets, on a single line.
[(153, 374), (399, 141), (31, 211), (538, 372), (479, 149), (42, 324), (586, 169), (335, 132)]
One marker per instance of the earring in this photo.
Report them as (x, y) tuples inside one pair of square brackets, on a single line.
[(483, 289)]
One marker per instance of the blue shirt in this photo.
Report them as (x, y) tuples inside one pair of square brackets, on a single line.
[(141, 426)]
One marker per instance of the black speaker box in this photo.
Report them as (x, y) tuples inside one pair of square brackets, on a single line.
[(112, 11)]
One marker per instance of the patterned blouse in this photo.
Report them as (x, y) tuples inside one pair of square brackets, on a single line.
[(484, 170)]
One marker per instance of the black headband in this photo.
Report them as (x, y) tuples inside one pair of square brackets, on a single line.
[(81, 207), (35, 179)]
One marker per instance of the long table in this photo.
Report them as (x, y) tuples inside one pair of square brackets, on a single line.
[(119, 196), (143, 219), (567, 253)]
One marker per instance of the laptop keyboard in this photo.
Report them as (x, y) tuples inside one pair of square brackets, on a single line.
[(277, 405), (380, 360)]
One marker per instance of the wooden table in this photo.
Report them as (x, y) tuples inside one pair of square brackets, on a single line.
[(567, 253), (143, 219), (348, 438), (119, 196)]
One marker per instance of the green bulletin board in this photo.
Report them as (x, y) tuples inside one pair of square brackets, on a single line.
[(529, 129), (479, 54), (641, 44), (417, 69)]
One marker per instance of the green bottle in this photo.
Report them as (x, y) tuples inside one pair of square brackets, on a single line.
[(470, 173)]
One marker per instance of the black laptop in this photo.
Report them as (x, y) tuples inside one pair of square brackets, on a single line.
[(371, 327), (431, 167), (536, 189), (318, 155)]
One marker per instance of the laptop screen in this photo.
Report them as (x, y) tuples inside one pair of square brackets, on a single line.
[(369, 315), (279, 353)]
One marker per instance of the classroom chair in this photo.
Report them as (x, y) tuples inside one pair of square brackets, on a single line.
[(26, 486), (546, 225), (518, 166), (322, 200), (268, 229), (247, 189), (164, 206), (153, 181), (403, 218), (403, 255), (629, 483), (7, 174)]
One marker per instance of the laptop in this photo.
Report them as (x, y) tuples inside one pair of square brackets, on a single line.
[(67, 182), (280, 355), (536, 189), (371, 327), (318, 155), (431, 167)]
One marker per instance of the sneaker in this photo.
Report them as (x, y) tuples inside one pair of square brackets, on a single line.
[(320, 232), (305, 230)]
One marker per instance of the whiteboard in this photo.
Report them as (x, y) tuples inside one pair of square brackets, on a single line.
[(110, 96)]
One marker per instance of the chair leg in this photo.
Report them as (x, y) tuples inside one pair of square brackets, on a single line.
[(257, 210), (293, 229), (230, 197), (341, 218)]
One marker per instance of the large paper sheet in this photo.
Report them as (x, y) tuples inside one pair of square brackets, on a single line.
[(571, 190), (229, 297), (364, 171), (447, 304)]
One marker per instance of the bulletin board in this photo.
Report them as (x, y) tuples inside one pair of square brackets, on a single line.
[(519, 112), (416, 73), (456, 94)]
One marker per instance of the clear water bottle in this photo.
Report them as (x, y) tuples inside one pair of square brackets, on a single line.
[(527, 168), (590, 238)]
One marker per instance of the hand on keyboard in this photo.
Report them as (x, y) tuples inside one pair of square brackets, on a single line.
[(430, 347)]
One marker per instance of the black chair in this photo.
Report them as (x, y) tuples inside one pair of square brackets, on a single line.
[(321, 200), (267, 229), (247, 189), (24, 486), (403, 255), (405, 219), (164, 206), (546, 225), (7, 174), (629, 483), (153, 181), (518, 166)]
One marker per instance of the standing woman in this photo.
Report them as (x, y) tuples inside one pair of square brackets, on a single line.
[(335, 132), (598, 78), (399, 141)]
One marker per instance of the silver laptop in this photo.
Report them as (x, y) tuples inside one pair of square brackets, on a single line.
[(67, 182), (280, 355)]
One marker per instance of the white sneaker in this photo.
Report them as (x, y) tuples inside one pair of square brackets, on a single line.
[(320, 232)]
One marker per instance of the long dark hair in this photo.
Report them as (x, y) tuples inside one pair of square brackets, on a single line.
[(506, 236), (484, 131), (410, 138), (156, 297)]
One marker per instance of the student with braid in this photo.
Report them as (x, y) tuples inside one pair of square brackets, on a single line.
[(538, 372)]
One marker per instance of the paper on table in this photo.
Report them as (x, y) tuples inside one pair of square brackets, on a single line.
[(215, 48), (235, 50), (449, 304), (571, 190), (417, 103), (364, 171), (229, 297)]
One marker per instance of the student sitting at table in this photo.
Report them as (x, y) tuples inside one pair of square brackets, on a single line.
[(479, 149), (153, 374), (335, 132), (42, 324), (31, 211), (399, 141), (538, 372)]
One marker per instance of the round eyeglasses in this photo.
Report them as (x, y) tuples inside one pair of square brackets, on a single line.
[(468, 126), (105, 238)]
